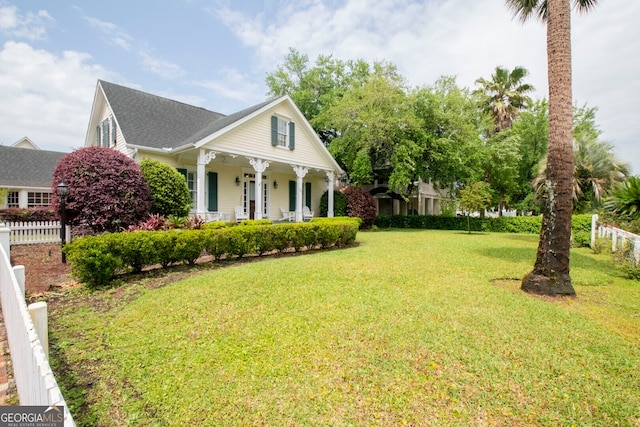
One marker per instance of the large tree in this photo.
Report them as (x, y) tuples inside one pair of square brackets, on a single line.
[(454, 152), (316, 87), (504, 95), (378, 134), (596, 168), (550, 274)]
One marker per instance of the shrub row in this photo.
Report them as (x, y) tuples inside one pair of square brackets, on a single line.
[(28, 214), (97, 260), (580, 224)]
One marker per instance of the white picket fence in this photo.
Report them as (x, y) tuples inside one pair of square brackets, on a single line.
[(27, 233), (31, 370), (618, 236)]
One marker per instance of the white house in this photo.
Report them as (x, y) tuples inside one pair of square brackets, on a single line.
[(255, 163), (26, 173)]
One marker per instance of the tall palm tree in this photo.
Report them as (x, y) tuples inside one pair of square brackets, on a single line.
[(596, 172), (505, 94), (550, 274)]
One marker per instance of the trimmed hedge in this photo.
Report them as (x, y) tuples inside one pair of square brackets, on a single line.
[(580, 224), (98, 260), (28, 214)]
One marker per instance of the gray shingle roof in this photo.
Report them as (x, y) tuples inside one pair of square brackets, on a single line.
[(153, 121), (225, 121), (23, 167)]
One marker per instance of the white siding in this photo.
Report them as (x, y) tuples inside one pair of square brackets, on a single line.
[(254, 138)]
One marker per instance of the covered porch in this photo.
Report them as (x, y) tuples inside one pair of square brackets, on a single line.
[(229, 186)]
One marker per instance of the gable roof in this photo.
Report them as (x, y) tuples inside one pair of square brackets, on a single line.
[(25, 167), (225, 121), (153, 121)]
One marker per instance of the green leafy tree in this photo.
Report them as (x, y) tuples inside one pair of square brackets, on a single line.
[(531, 128), (504, 95), (377, 131), (315, 88), (452, 125), (169, 192), (474, 198), (550, 274), (502, 167)]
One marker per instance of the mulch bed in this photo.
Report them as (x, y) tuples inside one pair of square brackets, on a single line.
[(43, 266)]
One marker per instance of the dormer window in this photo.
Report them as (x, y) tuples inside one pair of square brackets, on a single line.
[(282, 132), (106, 133)]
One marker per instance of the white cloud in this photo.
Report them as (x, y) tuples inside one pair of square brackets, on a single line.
[(31, 26), (119, 37), (161, 67), (233, 85), (46, 97)]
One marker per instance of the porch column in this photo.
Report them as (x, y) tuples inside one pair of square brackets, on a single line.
[(420, 203), (204, 158), (396, 207), (259, 166), (330, 189), (430, 207), (300, 173)]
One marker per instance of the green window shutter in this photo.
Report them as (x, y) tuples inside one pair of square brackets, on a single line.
[(114, 130), (213, 191), (274, 130), (98, 136), (292, 196), (292, 135), (307, 194), (183, 172)]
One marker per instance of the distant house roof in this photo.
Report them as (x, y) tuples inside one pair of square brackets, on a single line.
[(152, 121), (25, 167), (25, 142)]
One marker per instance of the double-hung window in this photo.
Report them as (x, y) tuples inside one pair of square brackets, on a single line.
[(106, 133), (282, 132)]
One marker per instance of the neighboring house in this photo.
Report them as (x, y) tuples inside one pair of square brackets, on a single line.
[(255, 163), (424, 200), (26, 173)]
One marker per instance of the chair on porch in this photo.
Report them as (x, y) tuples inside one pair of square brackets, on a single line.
[(307, 214), (287, 215), (241, 215)]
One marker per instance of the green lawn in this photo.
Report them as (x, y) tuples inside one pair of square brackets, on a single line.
[(408, 328)]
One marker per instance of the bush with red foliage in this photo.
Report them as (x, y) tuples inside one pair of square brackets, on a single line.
[(107, 192), (360, 204)]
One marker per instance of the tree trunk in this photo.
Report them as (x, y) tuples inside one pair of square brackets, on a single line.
[(550, 275)]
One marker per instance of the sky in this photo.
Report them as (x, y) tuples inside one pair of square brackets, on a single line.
[(216, 54)]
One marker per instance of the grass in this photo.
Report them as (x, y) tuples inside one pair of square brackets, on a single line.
[(408, 328)]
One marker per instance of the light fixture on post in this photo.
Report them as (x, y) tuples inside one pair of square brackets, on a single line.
[(62, 190), (275, 184), (237, 180)]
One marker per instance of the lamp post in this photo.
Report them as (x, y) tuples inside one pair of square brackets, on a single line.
[(63, 191)]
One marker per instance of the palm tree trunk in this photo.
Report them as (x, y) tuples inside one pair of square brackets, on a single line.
[(550, 275)]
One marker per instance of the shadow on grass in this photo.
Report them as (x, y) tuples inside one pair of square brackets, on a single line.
[(578, 260)]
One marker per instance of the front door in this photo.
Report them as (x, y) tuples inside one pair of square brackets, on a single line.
[(249, 195)]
